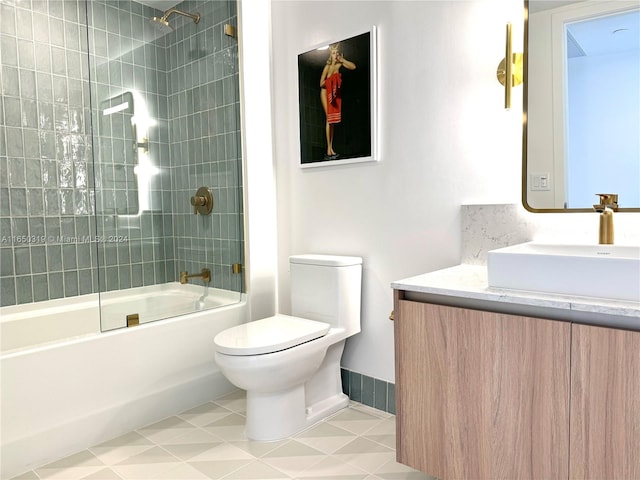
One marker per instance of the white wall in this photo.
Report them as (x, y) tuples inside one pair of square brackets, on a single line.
[(445, 140), (254, 19)]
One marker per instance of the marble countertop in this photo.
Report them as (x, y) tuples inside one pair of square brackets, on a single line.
[(466, 286)]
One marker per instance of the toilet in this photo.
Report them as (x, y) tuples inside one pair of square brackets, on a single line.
[(289, 365)]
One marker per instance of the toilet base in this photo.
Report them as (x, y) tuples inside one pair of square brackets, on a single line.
[(277, 415), (326, 407), (273, 417)]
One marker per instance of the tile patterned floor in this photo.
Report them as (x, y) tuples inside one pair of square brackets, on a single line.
[(208, 442)]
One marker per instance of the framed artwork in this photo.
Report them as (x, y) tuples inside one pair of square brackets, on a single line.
[(337, 101)]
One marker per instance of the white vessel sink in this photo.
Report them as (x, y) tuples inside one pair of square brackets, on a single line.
[(605, 271)]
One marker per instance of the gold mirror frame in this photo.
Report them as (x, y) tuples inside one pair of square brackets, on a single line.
[(525, 99)]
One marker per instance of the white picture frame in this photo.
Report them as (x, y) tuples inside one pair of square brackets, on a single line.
[(343, 72)]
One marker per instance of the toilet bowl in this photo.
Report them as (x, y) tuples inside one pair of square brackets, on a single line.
[(289, 365), (275, 380)]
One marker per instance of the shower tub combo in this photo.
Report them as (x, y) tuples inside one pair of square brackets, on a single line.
[(67, 386), (71, 374)]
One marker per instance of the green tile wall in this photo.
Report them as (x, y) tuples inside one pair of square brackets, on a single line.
[(369, 391), (48, 161)]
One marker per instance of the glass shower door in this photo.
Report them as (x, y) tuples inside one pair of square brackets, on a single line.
[(165, 123)]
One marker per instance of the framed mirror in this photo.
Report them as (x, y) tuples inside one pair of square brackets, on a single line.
[(581, 132)]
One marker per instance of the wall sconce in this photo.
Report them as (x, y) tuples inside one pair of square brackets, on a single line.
[(512, 70)]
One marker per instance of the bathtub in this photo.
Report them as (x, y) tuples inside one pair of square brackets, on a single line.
[(66, 386)]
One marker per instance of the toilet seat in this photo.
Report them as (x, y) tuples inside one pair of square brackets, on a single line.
[(269, 335)]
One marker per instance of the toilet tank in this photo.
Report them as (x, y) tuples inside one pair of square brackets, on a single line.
[(327, 288)]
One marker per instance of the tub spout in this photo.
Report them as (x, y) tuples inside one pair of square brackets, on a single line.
[(205, 275)]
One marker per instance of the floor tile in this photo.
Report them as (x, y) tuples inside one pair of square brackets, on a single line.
[(355, 421), (334, 468), (363, 445), (393, 470), (191, 443), (326, 437), (104, 474), (326, 445), (216, 469), (121, 448), (79, 459), (258, 449), (369, 462), (325, 429), (386, 440), (383, 433), (386, 427), (224, 451), (293, 448), (166, 429), (231, 428), (357, 476), (73, 467), (257, 470), (151, 456), (365, 454), (369, 410), (208, 442), (293, 457), (143, 471), (205, 414), (26, 476), (183, 471), (147, 464), (236, 402)]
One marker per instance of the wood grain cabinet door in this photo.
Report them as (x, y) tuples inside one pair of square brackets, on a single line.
[(481, 395), (605, 403)]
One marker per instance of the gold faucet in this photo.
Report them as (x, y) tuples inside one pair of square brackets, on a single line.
[(205, 275), (608, 204)]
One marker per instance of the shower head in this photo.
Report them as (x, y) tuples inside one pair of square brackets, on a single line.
[(162, 23), (162, 26)]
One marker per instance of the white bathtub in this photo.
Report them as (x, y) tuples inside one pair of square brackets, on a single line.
[(65, 386)]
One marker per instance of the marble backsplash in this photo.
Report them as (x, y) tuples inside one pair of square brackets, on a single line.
[(486, 227)]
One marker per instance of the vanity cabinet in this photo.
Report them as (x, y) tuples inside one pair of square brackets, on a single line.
[(605, 403), (481, 395), (489, 395)]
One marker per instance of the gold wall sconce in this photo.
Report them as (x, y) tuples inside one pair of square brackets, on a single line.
[(510, 70)]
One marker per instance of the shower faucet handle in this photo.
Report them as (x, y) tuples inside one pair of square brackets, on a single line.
[(202, 201), (197, 201)]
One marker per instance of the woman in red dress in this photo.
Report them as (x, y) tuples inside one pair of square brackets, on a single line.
[(331, 94)]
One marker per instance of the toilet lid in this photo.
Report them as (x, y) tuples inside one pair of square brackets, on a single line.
[(269, 335)]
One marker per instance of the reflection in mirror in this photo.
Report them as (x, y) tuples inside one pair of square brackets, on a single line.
[(582, 104), (117, 157), (124, 166)]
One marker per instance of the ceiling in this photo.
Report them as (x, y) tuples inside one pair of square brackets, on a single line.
[(540, 5), (606, 34), (592, 37), (160, 4)]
